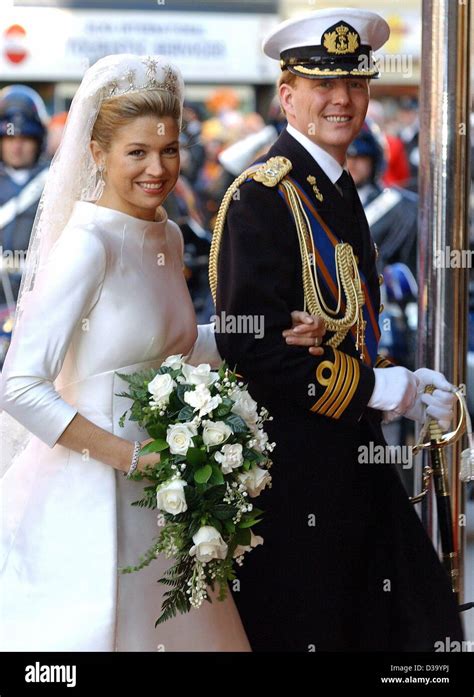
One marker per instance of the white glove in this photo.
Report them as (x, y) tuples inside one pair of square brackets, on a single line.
[(395, 390), (439, 405)]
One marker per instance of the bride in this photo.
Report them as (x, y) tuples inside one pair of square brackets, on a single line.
[(103, 292)]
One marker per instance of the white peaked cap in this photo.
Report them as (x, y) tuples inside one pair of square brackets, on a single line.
[(329, 43)]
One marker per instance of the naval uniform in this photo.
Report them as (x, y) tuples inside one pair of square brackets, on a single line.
[(346, 563)]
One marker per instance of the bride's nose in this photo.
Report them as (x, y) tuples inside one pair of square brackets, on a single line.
[(155, 166)]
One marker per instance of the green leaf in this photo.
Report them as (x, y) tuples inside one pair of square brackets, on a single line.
[(174, 403), (195, 457), (122, 419), (176, 599), (229, 526), (249, 523), (155, 446), (138, 380), (157, 431), (194, 527), (216, 524), (243, 537), (192, 499), (201, 489), (180, 390), (223, 511), (136, 412), (126, 378), (224, 407), (236, 423), (164, 369), (165, 457), (217, 476), (253, 455), (214, 495), (186, 413), (202, 475)]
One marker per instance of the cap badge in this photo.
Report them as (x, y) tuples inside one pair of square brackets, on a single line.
[(343, 39)]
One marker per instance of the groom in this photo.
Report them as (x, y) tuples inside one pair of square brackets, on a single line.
[(346, 563)]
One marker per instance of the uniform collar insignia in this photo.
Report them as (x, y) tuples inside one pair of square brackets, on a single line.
[(312, 181)]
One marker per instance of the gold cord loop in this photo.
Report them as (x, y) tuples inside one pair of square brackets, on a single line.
[(271, 174), (347, 275)]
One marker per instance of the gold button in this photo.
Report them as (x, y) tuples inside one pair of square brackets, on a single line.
[(376, 250), (381, 308), (380, 279)]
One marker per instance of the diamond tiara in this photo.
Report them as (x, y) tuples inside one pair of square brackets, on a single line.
[(129, 82)]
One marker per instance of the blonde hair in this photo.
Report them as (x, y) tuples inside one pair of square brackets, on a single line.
[(121, 110), (286, 78)]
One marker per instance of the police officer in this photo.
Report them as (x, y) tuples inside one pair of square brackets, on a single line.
[(392, 212), (23, 169), (346, 563)]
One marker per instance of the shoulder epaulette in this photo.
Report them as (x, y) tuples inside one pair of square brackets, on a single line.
[(272, 171)]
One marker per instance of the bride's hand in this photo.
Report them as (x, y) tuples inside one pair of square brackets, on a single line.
[(306, 330), (145, 461)]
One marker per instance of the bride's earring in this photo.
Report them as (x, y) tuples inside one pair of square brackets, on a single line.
[(100, 183)]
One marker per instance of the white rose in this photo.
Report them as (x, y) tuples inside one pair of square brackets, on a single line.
[(244, 406), (255, 480), (208, 544), (200, 399), (200, 375), (255, 540), (174, 362), (215, 432), (170, 497), (229, 457), (161, 387), (179, 438)]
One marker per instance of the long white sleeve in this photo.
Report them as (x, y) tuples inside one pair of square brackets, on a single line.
[(67, 288), (205, 347)]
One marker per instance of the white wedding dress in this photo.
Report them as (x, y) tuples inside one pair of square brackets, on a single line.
[(112, 297)]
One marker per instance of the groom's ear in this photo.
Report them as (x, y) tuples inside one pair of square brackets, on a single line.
[(285, 92), (97, 153)]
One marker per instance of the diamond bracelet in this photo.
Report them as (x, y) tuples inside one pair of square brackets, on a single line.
[(134, 462)]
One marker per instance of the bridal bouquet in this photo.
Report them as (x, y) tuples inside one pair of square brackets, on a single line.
[(213, 457)]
